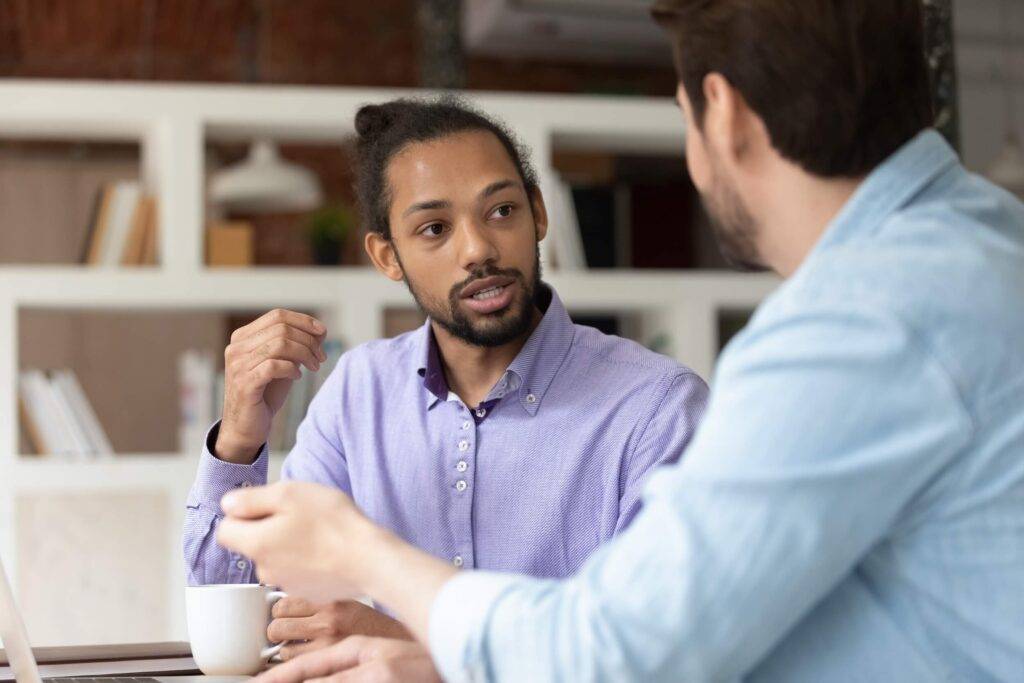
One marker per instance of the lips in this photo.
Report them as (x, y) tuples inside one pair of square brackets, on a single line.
[(483, 285)]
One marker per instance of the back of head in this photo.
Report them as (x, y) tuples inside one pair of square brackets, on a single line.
[(840, 85), (386, 129)]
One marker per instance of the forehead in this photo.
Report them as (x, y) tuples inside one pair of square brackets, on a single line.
[(448, 167)]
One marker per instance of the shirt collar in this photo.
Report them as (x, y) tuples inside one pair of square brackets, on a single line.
[(530, 373), (890, 187), (542, 355)]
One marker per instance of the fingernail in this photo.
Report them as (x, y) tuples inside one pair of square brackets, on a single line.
[(319, 327), (228, 501)]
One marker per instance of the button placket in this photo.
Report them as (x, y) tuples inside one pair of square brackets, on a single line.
[(460, 483)]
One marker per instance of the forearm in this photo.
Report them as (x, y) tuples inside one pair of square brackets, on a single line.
[(401, 577), (206, 562)]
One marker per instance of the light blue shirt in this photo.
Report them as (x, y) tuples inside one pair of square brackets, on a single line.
[(851, 509)]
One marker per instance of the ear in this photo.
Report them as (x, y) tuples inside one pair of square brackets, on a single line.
[(726, 118), (383, 256), (540, 213)]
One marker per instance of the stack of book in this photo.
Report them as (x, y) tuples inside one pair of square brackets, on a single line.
[(123, 227), (201, 392), (57, 416)]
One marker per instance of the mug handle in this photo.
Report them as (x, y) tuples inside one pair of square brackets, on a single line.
[(273, 650)]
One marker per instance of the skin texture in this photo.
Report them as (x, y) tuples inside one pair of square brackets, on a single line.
[(769, 212)]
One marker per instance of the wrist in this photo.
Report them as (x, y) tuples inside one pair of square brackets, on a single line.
[(374, 556), (230, 448)]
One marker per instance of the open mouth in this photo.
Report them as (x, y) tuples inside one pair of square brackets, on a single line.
[(489, 295)]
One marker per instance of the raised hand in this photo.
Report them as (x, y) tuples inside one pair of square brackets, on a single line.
[(260, 364)]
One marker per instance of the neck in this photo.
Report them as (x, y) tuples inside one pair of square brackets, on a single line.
[(472, 371), (797, 210)]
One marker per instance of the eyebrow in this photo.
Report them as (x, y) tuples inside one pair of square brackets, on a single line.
[(433, 204), (428, 206), (494, 188)]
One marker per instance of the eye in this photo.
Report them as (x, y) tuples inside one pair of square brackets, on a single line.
[(503, 211), (433, 230)]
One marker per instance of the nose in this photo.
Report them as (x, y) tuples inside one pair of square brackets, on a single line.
[(476, 246)]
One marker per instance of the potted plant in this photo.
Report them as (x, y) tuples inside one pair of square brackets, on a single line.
[(327, 229)]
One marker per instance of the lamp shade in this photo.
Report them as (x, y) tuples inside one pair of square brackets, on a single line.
[(264, 183)]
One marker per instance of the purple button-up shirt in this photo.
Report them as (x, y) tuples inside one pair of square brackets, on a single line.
[(547, 468)]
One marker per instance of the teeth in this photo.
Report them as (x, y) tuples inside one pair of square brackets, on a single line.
[(488, 293)]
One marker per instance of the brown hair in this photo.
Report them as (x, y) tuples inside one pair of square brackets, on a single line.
[(839, 84)]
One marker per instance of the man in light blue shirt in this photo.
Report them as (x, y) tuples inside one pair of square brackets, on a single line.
[(852, 507)]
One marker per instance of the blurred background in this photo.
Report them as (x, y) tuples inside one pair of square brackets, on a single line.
[(171, 169)]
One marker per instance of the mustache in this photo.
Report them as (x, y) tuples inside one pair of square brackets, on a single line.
[(491, 271)]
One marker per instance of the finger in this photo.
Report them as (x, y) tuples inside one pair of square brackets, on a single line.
[(272, 368), (241, 536), (293, 607), (297, 628), (285, 331), (302, 321), (316, 664), (293, 650), (251, 503), (280, 348)]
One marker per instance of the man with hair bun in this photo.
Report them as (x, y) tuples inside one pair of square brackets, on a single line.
[(499, 435), (852, 506)]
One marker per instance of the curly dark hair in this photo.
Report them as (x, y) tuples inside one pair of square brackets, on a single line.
[(385, 129)]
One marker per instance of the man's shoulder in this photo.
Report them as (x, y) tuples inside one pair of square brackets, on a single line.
[(380, 357), (613, 355)]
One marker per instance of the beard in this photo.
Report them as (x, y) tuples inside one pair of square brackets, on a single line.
[(733, 225), (492, 329)]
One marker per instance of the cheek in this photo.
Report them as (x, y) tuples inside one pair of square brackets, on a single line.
[(697, 162)]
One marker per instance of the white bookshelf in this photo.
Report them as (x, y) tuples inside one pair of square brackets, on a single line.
[(172, 124)]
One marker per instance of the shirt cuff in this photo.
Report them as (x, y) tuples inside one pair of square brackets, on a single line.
[(216, 477), (458, 622)]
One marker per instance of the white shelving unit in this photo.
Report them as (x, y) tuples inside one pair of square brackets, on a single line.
[(171, 124)]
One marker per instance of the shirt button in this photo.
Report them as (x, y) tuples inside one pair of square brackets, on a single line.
[(460, 485), (246, 484), (457, 560), (480, 412), (241, 564), (462, 466), (463, 445), (530, 398), (467, 424)]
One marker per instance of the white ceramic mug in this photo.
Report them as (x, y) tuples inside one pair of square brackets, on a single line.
[(227, 626)]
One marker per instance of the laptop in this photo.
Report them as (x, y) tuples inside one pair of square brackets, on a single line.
[(23, 661)]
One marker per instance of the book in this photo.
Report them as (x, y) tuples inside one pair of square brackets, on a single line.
[(563, 225), (44, 411), (196, 386), (90, 228), (67, 382), (32, 429), (133, 252), (151, 237), (122, 209), (98, 230), (78, 442)]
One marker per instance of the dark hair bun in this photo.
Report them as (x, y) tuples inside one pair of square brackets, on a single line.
[(373, 119)]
